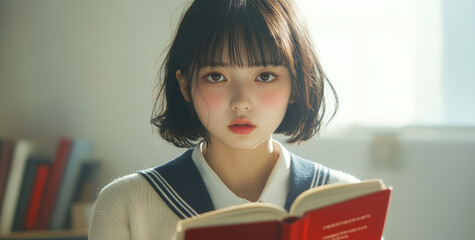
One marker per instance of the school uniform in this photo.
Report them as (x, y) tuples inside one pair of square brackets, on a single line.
[(147, 204)]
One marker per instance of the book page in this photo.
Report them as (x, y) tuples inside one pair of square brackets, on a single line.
[(243, 213), (333, 193)]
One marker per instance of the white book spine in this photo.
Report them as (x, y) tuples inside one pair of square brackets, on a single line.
[(12, 189)]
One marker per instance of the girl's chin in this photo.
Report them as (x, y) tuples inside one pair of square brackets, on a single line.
[(243, 144)]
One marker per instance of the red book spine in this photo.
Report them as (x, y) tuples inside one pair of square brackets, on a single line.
[(33, 209), (54, 183), (293, 228)]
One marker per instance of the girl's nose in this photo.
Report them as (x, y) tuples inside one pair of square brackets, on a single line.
[(241, 101)]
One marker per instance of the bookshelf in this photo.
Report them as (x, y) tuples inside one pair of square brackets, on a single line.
[(28, 205), (80, 234)]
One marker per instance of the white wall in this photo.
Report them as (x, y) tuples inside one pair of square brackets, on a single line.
[(85, 69)]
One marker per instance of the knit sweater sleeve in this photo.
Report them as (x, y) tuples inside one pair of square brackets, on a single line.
[(341, 177), (110, 219), (129, 208)]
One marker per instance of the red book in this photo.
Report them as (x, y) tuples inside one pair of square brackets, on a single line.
[(39, 186), (355, 211), (6, 150), (26, 190), (53, 184)]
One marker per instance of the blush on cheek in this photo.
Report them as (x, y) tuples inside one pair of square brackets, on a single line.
[(213, 100), (275, 99), (206, 103)]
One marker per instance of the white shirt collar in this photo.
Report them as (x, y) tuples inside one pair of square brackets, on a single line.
[(275, 190)]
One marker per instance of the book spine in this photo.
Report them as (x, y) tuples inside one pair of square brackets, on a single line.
[(25, 192), (80, 151), (54, 181), (83, 190), (20, 154), (32, 212), (87, 177), (5, 161), (293, 228)]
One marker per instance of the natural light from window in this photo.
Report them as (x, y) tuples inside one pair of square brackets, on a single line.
[(383, 57)]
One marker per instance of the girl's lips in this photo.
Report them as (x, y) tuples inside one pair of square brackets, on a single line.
[(241, 126), (241, 121), (241, 129)]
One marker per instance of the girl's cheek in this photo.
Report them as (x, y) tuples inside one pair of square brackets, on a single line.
[(214, 99), (276, 98), (210, 99)]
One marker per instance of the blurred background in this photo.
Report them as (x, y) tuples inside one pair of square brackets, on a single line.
[(404, 71)]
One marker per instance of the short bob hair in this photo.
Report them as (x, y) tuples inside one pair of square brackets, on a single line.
[(253, 33)]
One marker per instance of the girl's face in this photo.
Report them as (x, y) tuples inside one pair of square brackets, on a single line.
[(241, 107)]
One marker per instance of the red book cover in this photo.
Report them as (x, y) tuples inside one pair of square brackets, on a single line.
[(39, 186), (261, 230), (358, 218), (6, 151), (53, 184)]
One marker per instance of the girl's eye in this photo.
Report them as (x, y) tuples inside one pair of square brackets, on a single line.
[(265, 77), (215, 77)]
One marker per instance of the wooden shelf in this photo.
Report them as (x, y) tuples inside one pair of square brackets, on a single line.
[(63, 234)]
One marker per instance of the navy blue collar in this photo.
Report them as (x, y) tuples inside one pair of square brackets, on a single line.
[(304, 175), (180, 185)]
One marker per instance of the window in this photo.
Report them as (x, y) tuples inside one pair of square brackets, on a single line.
[(389, 60)]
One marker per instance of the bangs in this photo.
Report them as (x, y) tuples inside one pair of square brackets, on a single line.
[(240, 33)]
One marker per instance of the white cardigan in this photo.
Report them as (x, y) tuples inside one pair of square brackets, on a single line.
[(130, 208)]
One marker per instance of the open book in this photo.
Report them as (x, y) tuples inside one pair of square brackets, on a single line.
[(329, 212)]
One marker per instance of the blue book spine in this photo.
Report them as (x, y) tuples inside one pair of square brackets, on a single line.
[(80, 151)]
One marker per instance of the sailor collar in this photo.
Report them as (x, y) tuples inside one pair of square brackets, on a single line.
[(179, 183)]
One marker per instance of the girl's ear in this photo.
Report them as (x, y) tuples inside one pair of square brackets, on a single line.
[(182, 84)]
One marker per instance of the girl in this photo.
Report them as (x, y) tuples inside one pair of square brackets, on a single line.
[(236, 72)]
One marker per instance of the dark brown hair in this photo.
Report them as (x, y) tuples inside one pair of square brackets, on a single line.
[(253, 33)]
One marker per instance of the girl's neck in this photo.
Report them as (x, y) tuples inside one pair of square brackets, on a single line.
[(244, 172)]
